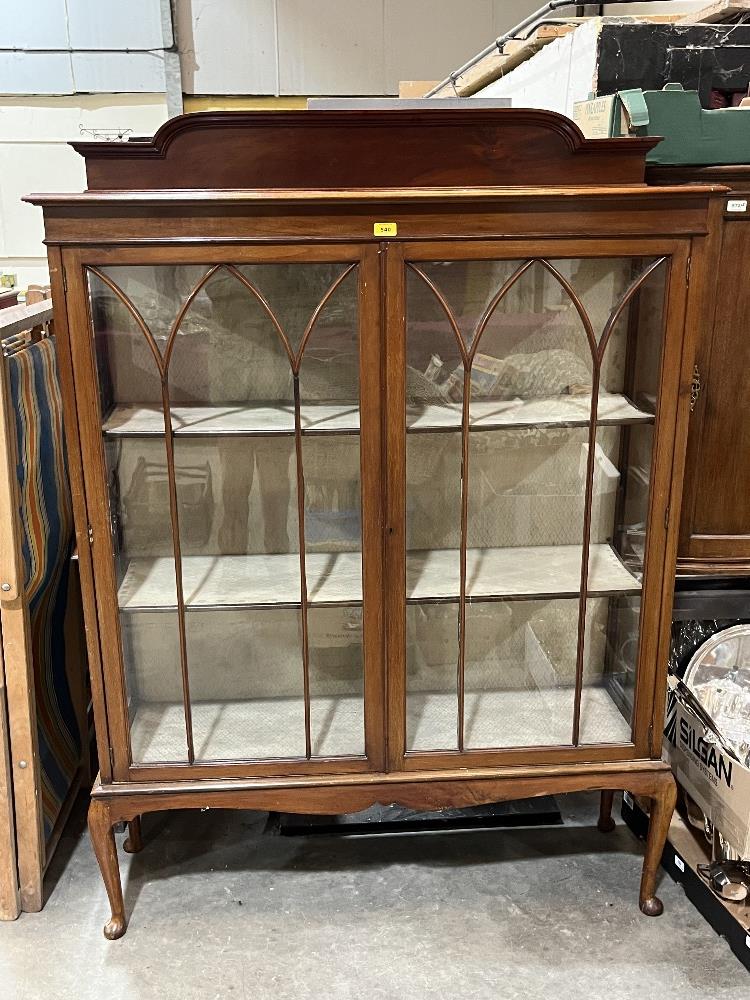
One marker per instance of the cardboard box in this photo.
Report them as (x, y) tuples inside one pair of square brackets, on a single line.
[(690, 135), (709, 774), (613, 115)]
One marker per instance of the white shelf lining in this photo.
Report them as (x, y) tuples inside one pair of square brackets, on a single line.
[(336, 578), (147, 420), (268, 728)]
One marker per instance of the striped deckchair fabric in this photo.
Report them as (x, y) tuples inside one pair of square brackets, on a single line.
[(47, 539)]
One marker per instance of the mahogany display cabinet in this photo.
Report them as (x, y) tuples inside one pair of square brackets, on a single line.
[(376, 425), (715, 522)]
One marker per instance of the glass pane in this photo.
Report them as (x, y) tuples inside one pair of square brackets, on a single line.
[(526, 361), (431, 657), (610, 668), (223, 490), (139, 511), (238, 709), (157, 717), (329, 376), (631, 366), (433, 518), (605, 715), (520, 673), (502, 359), (336, 682)]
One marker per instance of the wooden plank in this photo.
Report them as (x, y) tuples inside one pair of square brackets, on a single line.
[(519, 50), (372, 476), (16, 319), (19, 673), (415, 88), (543, 34), (514, 52), (714, 13), (84, 572), (10, 570), (10, 900), (478, 76)]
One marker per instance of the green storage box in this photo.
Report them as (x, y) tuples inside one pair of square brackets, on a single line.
[(691, 135)]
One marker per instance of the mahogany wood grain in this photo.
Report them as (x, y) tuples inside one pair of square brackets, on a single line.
[(373, 479), (715, 518), (499, 213), (134, 841), (394, 322), (112, 804), (656, 598), (345, 149), (80, 512), (101, 823), (100, 609), (605, 823), (734, 175), (663, 798), (721, 509)]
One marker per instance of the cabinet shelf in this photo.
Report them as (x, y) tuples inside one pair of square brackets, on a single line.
[(556, 411), (335, 579), (146, 420), (274, 727)]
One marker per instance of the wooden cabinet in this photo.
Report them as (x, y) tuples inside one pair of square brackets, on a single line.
[(715, 523), (374, 452)]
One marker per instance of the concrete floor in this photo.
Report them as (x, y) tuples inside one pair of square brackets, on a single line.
[(221, 910)]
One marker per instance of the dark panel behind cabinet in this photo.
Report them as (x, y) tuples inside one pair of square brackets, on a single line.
[(715, 516), (722, 503)]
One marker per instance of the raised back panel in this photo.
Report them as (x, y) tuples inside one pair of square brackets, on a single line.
[(361, 149)]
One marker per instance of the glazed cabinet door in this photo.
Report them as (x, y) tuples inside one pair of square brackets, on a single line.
[(529, 414), (232, 467)]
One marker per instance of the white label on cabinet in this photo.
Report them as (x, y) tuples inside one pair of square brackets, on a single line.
[(737, 205), (679, 862)]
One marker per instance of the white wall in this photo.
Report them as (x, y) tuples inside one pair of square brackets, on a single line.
[(332, 47), (340, 47), (559, 74), (67, 65), (35, 157), (86, 46), (675, 7)]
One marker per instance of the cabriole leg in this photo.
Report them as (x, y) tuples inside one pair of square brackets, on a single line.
[(103, 839), (134, 841), (606, 824), (662, 806)]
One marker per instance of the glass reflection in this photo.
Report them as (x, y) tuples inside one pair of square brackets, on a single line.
[(220, 346), (502, 360)]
